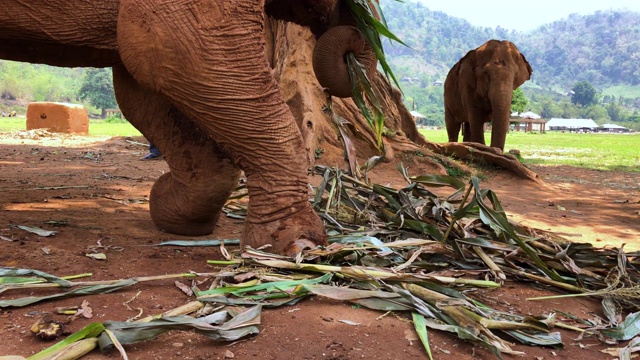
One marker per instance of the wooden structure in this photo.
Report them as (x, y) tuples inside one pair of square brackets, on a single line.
[(112, 112), (58, 117), (528, 124)]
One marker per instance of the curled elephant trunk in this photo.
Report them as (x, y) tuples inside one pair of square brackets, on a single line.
[(329, 59)]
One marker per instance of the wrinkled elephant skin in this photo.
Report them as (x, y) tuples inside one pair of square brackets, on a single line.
[(479, 89), (193, 77)]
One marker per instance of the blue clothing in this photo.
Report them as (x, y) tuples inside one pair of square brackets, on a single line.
[(154, 150)]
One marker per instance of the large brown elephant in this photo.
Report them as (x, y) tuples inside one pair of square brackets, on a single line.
[(479, 89), (193, 77)]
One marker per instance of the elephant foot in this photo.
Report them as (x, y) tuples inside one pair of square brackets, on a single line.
[(185, 226), (186, 210), (289, 235)]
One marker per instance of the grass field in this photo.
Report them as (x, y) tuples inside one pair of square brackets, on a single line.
[(595, 151), (96, 127), (626, 91)]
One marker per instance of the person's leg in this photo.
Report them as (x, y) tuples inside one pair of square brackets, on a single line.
[(154, 150), (154, 153)]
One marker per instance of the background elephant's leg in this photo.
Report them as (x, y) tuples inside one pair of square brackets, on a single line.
[(217, 73), (466, 132), (475, 128), (188, 199), (453, 127)]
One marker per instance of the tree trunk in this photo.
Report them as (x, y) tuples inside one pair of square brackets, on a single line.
[(290, 48)]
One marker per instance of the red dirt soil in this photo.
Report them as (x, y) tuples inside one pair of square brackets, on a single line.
[(99, 190)]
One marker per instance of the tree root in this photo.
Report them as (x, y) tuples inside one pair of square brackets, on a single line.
[(478, 153)]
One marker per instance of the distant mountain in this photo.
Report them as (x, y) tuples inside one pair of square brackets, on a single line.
[(603, 48)]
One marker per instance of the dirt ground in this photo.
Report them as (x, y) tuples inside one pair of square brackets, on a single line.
[(95, 193)]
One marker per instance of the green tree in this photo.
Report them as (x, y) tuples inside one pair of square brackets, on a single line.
[(519, 101), (596, 113), (550, 110), (97, 88), (568, 110), (584, 94), (615, 111)]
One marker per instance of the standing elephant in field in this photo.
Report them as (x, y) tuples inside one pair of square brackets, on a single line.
[(479, 89), (194, 78)]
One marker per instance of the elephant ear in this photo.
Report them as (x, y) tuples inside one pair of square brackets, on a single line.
[(524, 71), (472, 74), (329, 59)]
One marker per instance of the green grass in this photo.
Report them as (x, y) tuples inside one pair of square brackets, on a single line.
[(593, 151), (96, 127), (627, 91)]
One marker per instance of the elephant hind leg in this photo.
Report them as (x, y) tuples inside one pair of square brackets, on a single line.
[(453, 130), (466, 132), (188, 199), (217, 73)]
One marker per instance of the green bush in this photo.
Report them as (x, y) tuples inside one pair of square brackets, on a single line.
[(115, 119)]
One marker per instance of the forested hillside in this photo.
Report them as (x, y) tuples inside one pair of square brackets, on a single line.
[(27, 82), (605, 55), (602, 49), (21, 83), (606, 52)]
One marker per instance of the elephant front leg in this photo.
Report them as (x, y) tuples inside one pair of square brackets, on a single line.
[(474, 129), (208, 59), (187, 200)]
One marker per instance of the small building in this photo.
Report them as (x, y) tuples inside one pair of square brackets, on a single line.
[(528, 125), (613, 128), (438, 83), (572, 125), (112, 112), (417, 117), (58, 117), (527, 122), (530, 115)]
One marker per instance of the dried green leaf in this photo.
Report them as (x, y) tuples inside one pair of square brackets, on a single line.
[(440, 180), (16, 272), (36, 230), (223, 300), (199, 242), (245, 323), (279, 286), (553, 340), (393, 304), (343, 293), (629, 328), (420, 324), (87, 290), (97, 256)]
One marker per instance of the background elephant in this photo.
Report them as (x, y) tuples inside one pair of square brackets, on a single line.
[(194, 78), (479, 89)]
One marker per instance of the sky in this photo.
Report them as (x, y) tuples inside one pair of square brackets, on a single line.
[(523, 15)]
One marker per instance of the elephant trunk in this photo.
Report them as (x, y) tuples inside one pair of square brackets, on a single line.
[(329, 59), (501, 113)]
